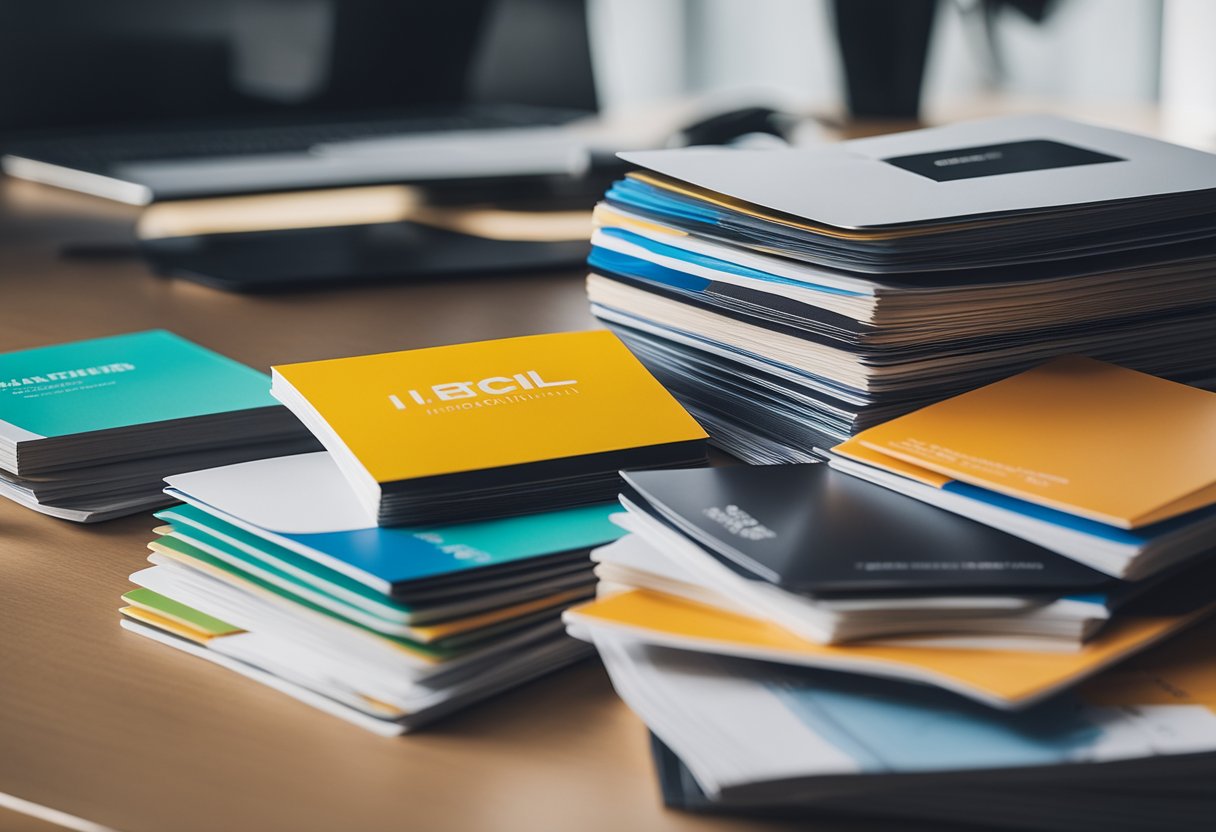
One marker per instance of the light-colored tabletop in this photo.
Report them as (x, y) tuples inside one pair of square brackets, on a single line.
[(109, 727)]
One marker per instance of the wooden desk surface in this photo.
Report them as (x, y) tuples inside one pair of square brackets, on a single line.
[(107, 726)]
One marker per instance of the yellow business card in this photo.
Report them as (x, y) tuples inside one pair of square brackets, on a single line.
[(489, 404)]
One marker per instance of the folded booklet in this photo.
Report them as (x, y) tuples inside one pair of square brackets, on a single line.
[(647, 559), (814, 531), (1074, 434), (1109, 466), (490, 429)]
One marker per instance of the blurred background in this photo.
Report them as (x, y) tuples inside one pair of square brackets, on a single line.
[(277, 144), (1145, 62)]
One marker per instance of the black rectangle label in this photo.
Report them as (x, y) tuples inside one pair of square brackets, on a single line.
[(994, 159)]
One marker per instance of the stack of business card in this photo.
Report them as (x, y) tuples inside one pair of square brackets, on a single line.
[(275, 570), (490, 429), (794, 298), (88, 430), (1113, 468), (1132, 749)]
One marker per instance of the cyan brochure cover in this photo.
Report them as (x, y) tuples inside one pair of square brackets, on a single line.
[(303, 503), (396, 552), (120, 381)]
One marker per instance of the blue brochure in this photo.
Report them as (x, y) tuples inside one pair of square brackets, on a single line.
[(303, 503)]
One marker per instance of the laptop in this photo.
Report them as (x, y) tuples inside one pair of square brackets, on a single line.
[(148, 100)]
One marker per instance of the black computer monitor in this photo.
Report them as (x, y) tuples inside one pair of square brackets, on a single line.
[(80, 65)]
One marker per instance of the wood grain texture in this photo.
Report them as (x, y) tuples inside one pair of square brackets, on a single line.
[(102, 724)]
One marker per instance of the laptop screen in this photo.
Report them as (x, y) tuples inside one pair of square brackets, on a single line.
[(118, 63)]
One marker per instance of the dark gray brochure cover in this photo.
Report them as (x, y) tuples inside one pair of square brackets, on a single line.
[(812, 530)]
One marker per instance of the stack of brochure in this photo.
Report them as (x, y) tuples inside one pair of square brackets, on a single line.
[(802, 564), (274, 570), (1132, 749), (1110, 467), (834, 559), (283, 569), (752, 713), (793, 298), (89, 430), (765, 622)]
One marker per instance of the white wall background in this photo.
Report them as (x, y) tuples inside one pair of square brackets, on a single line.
[(651, 50), (1188, 72)]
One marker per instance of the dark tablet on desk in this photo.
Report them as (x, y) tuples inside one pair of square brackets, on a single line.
[(265, 261)]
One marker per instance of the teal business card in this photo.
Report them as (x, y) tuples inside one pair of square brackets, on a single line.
[(120, 381)]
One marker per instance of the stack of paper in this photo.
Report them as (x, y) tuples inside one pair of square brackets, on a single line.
[(88, 430), (284, 570), (766, 622), (273, 569), (1133, 749), (934, 706), (793, 298)]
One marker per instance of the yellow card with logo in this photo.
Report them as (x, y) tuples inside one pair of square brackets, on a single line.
[(517, 403)]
